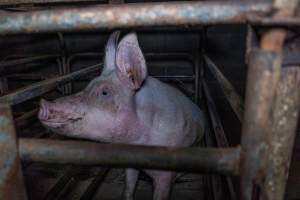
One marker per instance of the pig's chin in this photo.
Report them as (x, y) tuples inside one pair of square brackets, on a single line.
[(60, 127)]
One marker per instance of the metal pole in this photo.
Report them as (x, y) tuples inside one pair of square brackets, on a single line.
[(9, 67), (11, 179), (285, 118), (131, 15), (219, 133), (263, 78), (209, 160), (232, 96), (42, 87), (263, 75), (16, 2)]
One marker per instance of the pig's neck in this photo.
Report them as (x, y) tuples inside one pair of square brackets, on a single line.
[(128, 123)]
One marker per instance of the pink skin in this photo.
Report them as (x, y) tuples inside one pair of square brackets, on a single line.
[(124, 105)]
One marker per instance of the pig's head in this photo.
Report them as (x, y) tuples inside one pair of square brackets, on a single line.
[(105, 109)]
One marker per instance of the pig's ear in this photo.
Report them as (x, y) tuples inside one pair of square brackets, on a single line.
[(131, 62), (110, 52)]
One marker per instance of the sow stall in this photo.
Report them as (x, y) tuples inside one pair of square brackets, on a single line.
[(269, 114)]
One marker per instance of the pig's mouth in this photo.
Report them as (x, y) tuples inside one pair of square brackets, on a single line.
[(55, 118), (59, 124)]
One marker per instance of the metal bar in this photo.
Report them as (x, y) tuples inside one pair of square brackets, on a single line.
[(8, 66), (263, 75), (213, 181), (210, 160), (151, 56), (197, 66), (54, 191), (20, 121), (35, 77), (11, 179), (285, 118), (131, 15), (219, 133), (273, 41), (274, 38), (64, 67), (42, 87), (232, 96), (251, 42), (92, 188), (16, 2)]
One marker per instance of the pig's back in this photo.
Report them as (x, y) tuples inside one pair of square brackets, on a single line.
[(168, 116)]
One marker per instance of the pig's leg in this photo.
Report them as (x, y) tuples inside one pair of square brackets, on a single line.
[(131, 180), (162, 185)]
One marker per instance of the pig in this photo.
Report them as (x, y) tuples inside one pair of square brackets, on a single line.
[(125, 105)]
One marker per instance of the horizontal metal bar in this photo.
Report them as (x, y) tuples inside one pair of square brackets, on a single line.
[(131, 15), (196, 159), (20, 61), (15, 2), (42, 87), (9, 67)]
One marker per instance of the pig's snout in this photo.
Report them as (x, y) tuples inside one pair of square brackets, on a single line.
[(44, 110)]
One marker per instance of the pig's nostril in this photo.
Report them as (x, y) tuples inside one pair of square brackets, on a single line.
[(44, 111)]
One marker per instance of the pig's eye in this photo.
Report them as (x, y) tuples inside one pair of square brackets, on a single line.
[(104, 92)]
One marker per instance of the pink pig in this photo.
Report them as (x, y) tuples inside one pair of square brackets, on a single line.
[(124, 105)]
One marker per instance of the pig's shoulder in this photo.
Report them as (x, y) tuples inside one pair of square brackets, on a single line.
[(167, 101)]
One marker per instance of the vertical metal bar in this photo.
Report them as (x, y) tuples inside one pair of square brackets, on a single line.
[(197, 66), (251, 42), (263, 75), (285, 118), (219, 133), (11, 179), (64, 67)]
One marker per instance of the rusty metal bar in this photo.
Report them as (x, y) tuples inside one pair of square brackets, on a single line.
[(232, 96), (274, 38), (210, 160), (42, 87), (16, 2), (251, 42), (11, 179), (131, 15), (263, 75), (285, 118)]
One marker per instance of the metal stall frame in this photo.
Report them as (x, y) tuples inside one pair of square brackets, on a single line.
[(272, 97)]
